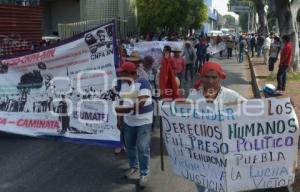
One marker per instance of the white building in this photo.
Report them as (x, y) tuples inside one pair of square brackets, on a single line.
[(211, 24)]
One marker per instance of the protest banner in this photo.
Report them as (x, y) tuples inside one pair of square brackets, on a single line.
[(237, 148), (154, 49), (172, 44), (64, 91), (214, 49)]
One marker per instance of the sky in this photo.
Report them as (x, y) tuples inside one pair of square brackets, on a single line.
[(221, 7)]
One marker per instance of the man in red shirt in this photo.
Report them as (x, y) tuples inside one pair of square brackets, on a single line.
[(285, 63), (178, 64)]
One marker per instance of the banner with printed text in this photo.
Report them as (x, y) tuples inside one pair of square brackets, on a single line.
[(242, 147), (63, 92), (153, 49)]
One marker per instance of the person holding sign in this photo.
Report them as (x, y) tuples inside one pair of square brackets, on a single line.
[(178, 63), (210, 90), (136, 118)]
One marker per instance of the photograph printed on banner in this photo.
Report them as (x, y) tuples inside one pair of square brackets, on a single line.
[(60, 90)]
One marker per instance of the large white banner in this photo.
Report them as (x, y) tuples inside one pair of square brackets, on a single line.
[(237, 148), (64, 91), (154, 49)]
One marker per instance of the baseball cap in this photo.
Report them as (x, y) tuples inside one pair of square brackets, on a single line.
[(128, 67), (269, 89)]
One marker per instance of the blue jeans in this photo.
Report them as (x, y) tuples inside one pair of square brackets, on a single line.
[(272, 61), (259, 50), (241, 56), (137, 141), (199, 62), (189, 67), (281, 77)]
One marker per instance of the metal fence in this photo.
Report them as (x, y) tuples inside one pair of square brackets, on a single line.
[(66, 30), (126, 27)]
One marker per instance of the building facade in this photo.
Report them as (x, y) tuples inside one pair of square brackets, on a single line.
[(69, 17), (20, 26), (211, 23)]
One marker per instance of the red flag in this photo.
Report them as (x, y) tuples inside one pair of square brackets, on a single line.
[(167, 81)]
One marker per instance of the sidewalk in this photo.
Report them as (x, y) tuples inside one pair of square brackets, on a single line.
[(264, 76)]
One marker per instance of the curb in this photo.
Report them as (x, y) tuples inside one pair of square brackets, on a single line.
[(256, 93), (255, 88)]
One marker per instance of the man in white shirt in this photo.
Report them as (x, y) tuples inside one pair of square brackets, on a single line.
[(266, 46), (274, 52), (135, 116), (209, 90)]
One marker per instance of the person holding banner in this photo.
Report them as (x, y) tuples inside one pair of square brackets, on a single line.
[(210, 90), (122, 55), (189, 59), (136, 120), (167, 81), (201, 52), (178, 63), (151, 72), (136, 59)]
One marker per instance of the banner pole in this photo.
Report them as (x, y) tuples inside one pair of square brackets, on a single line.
[(161, 140), (162, 166)]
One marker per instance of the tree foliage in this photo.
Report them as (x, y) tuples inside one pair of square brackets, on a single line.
[(262, 16), (243, 21), (286, 13), (271, 17), (170, 15)]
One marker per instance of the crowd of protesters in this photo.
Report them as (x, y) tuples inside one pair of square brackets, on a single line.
[(178, 66), (270, 47)]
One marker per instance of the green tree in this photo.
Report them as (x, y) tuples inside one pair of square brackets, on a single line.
[(286, 13), (243, 21), (197, 14), (262, 16), (271, 17), (170, 15)]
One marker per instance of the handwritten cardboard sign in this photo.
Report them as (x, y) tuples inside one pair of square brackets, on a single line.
[(240, 147)]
